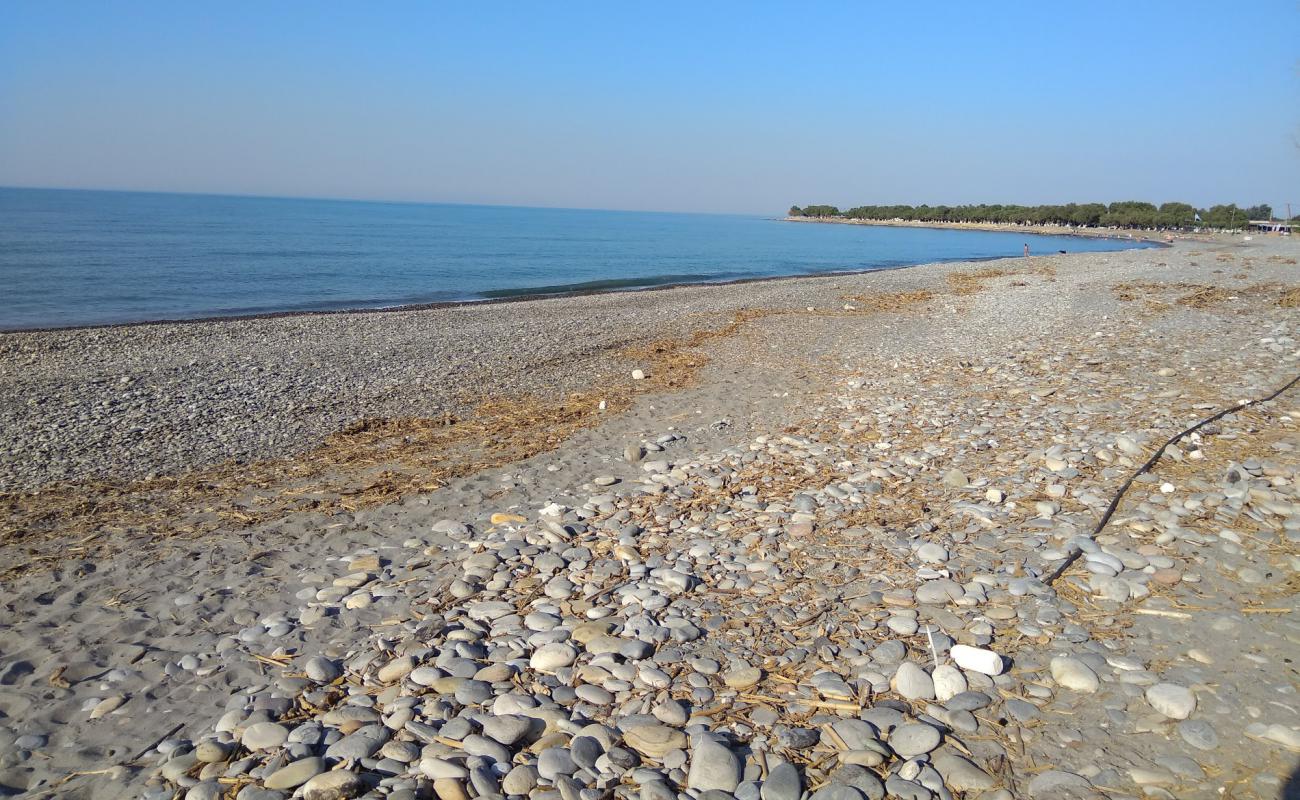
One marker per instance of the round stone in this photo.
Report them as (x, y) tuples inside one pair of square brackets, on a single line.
[(31, 741), (520, 780), (449, 789), (425, 676), (783, 783), (204, 790), (671, 712), (742, 677), (963, 775), (1199, 734), (555, 761), (264, 736), (913, 739), (912, 682), (594, 694), (932, 553), (396, 669), (948, 682), (585, 750), (1167, 577), (550, 657), (1073, 674), (797, 738), (340, 784), (441, 769), (507, 728), (837, 791), (364, 742), (1172, 700), (296, 774), (713, 766), (211, 751), (654, 741)]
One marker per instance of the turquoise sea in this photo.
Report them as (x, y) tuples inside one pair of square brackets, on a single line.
[(89, 258)]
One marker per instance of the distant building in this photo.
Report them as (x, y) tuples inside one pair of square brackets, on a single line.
[(1270, 226)]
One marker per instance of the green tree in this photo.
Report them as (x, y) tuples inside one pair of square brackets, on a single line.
[(1176, 215), (1088, 214), (1123, 214), (1227, 217), (1130, 214)]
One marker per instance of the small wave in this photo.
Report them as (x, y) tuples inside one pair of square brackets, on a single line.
[(612, 284)]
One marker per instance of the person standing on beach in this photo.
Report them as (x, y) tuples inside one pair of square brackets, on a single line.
[(1026, 249)]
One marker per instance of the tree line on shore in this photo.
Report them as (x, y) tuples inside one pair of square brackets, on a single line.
[(1127, 214)]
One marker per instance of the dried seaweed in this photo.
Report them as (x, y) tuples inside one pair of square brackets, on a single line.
[(963, 283), (886, 301), (369, 462), (1203, 297)]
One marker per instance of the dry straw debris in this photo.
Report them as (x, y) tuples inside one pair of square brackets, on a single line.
[(1205, 297), (373, 460), (1202, 297), (887, 301), (963, 283)]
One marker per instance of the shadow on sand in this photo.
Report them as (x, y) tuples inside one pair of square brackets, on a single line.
[(1291, 791)]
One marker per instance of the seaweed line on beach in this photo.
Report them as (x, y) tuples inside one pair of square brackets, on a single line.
[(1203, 297), (377, 460), (371, 461)]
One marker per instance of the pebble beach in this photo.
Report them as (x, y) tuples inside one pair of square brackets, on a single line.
[(782, 540)]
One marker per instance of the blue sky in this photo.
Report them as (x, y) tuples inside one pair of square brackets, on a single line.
[(744, 107)]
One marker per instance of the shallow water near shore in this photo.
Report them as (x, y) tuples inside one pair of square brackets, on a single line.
[(70, 258)]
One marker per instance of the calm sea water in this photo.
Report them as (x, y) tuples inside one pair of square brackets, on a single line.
[(86, 258)]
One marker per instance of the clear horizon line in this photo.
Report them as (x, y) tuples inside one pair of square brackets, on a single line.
[(779, 214), (248, 195)]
